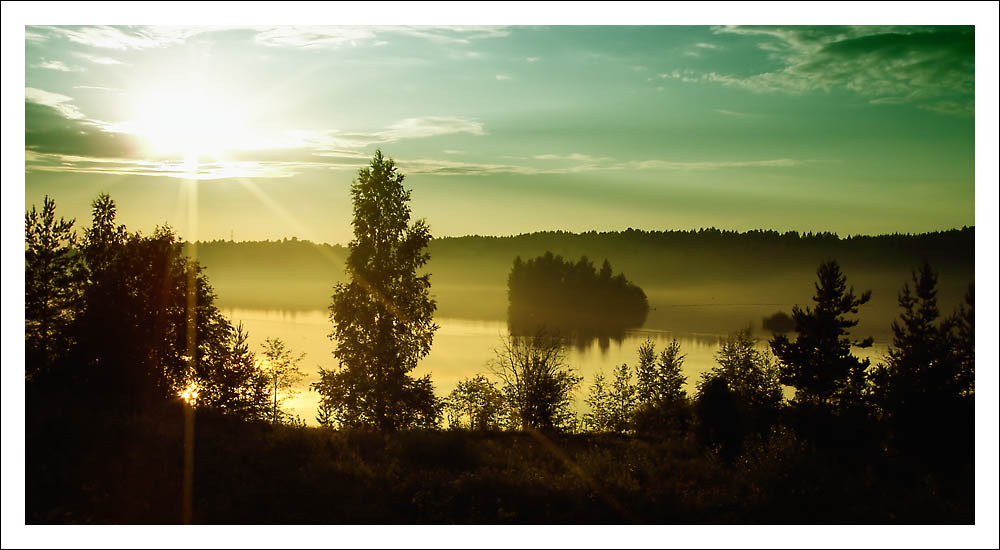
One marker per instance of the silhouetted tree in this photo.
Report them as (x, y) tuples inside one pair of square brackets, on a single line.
[(599, 401), (751, 374), (819, 363), (923, 381), (611, 408), (233, 382), (719, 422), (535, 379), (53, 274), (149, 323), (661, 401), (383, 316), (963, 337), (280, 367), (476, 403)]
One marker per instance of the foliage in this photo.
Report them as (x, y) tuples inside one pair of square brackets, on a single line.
[(535, 380), (662, 406), (927, 373), (280, 367), (233, 383), (659, 378), (53, 274), (819, 363), (751, 373), (382, 317), (611, 408), (143, 325), (476, 404)]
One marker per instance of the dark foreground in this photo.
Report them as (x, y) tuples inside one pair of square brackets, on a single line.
[(95, 468)]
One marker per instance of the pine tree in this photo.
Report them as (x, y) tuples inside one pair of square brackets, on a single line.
[(53, 274), (819, 363)]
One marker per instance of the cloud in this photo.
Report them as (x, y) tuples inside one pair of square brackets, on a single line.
[(127, 37), (100, 60), (313, 37), (502, 77), (100, 88), (668, 165), (532, 59), (453, 152), (58, 102), (408, 128), (910, 64), (727, 112), (320, 37), (34, 36), (573, 156), (57, 66), (58, 137)]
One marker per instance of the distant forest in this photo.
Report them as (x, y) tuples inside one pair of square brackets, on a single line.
[(675, 268)]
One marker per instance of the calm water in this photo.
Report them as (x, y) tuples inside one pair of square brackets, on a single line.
[(462, 348)]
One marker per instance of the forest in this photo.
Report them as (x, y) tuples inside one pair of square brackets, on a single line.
[(144, 404)]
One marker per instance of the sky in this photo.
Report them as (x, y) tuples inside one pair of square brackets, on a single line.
[(256, 132)]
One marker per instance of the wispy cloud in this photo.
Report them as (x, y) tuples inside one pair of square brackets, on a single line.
[(579, 157), (100, 88), (98, 59), (669, 165), (126, 38), (532, 59), (502, 77), (313, 37), (59, 102), (317, 37), (727, 112), (56, 65), (917, 65)]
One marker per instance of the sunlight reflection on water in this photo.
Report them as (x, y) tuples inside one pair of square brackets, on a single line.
[(463, 347)]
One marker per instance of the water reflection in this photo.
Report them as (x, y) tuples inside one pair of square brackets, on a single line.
[(463, 347)]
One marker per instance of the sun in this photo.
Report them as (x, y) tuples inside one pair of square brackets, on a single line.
[(190, 121)]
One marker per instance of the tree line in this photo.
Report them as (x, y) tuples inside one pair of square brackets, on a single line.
[(123, 321), (127, 319)]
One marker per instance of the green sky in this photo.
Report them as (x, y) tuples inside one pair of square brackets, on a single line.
[(257, 132)]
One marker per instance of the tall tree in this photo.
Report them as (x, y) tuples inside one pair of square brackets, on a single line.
[(819, 363), (149, 324), (382, 317), (53, 275), (925, 378)]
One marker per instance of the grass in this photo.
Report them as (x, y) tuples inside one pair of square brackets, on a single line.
[(129, 470)]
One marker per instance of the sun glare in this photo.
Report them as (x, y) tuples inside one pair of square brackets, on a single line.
[(189, 394), (191, 122)]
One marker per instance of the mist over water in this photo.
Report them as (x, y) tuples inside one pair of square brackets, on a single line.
[(463, 347)]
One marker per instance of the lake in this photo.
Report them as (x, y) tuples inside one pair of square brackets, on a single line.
[(463, 347)]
